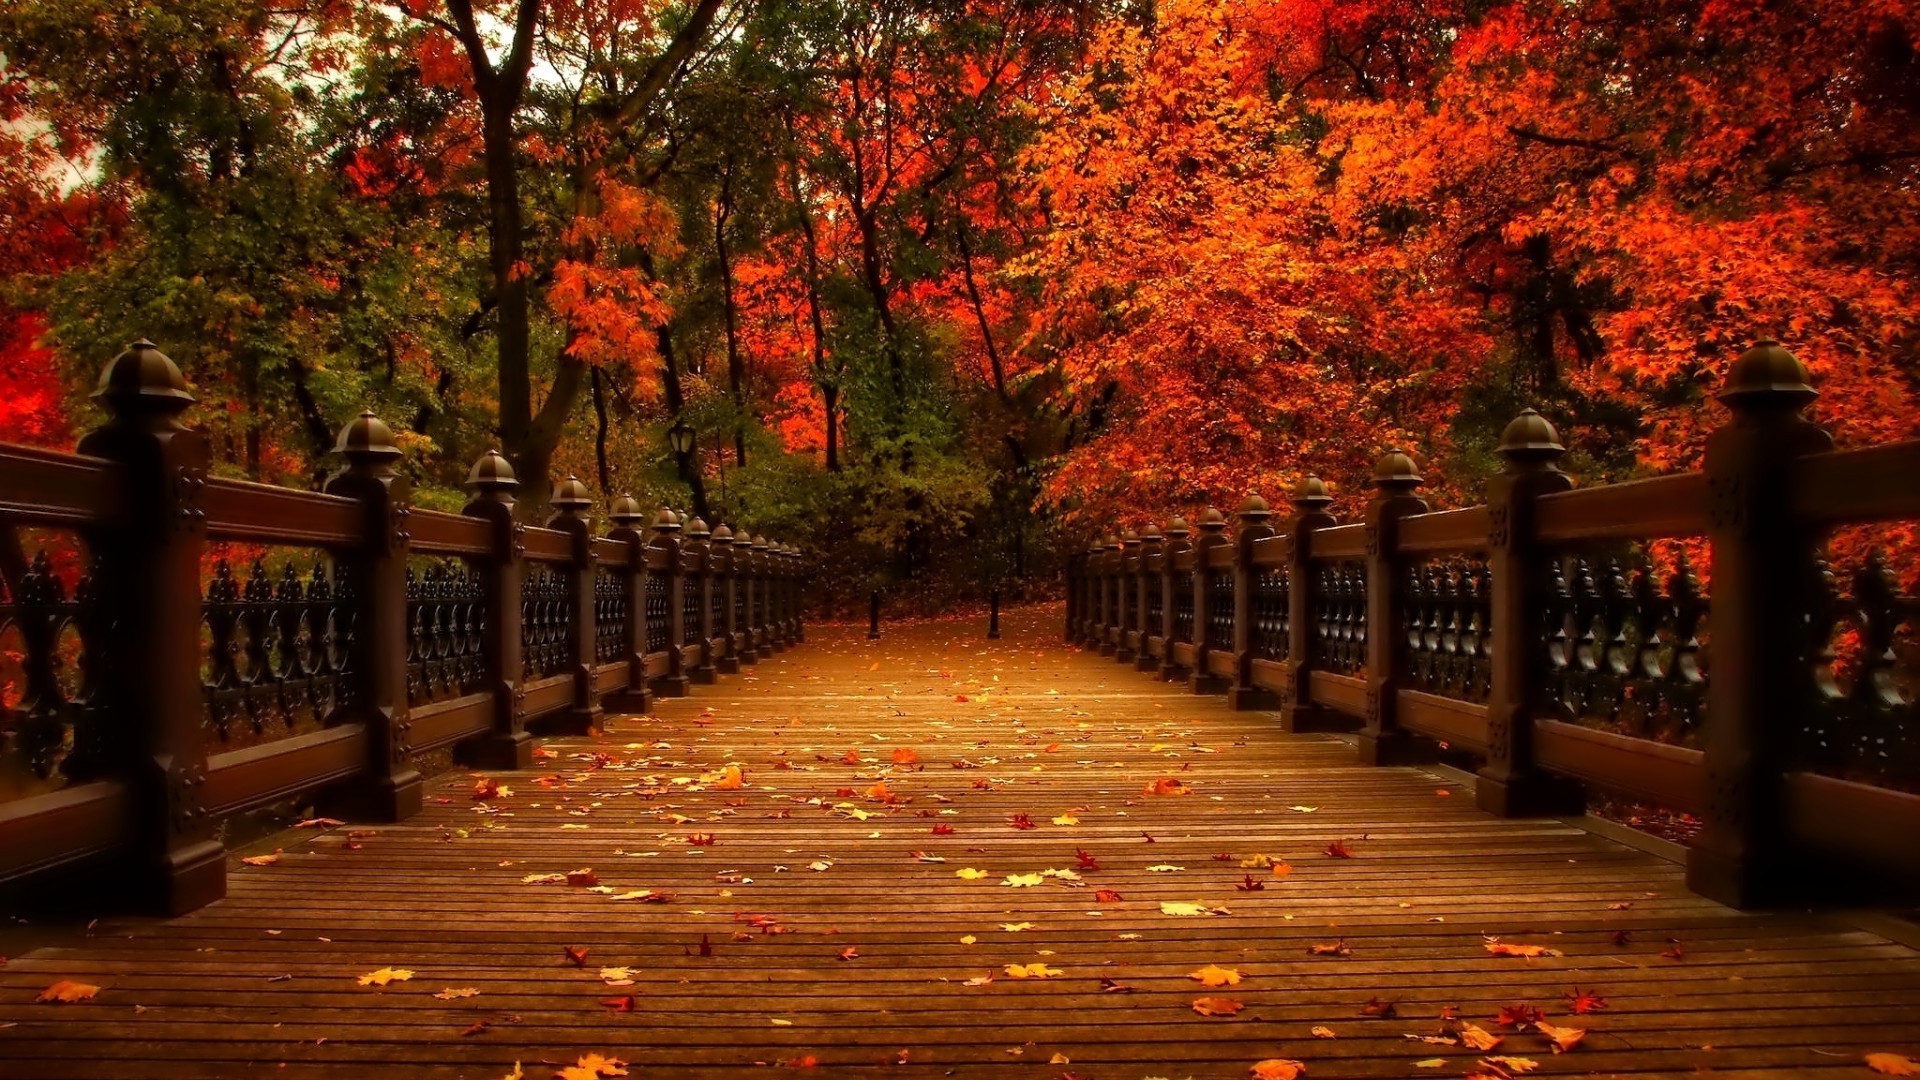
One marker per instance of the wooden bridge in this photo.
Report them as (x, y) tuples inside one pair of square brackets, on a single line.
[(589, 803)]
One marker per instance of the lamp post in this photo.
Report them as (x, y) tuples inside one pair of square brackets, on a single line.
[(680, 437)]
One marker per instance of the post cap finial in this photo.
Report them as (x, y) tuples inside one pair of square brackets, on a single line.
[(626, 511), (722, 534), (1311, 493), (1177, 528), (1766, 376), (571, 496), (1212, 520), (1395, 472), (366, 438), (1530, 439), (492, 473), (1254, 509), (142, 377), (697, 530), (666, 521)]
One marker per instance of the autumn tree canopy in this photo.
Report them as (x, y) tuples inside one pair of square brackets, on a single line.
[(934, 275)]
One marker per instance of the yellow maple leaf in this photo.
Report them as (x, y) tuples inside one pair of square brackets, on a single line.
[(1215, 975), (592, 1067), (1015, 927), (1184, 907), (452, 994), (67, 991), (384, 976), (968, 873), (1066, 819), (1032, 971), (1021, 881), (516, 1074)]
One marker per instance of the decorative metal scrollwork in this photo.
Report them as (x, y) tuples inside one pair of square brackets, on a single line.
[(1447, 626), (1340, 617)]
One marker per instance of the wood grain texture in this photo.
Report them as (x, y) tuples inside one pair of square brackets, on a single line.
[(264, 983)]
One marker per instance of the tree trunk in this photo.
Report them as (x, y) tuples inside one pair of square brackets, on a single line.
[(736, 364)]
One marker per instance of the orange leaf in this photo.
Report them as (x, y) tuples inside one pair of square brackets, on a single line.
[(1218, 1006), (1893, 1065), (905, 755), (1278, 1069), (1215, 975), (67, 992), (1563, 1038)]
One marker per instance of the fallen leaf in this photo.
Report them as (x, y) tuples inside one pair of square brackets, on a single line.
[(1278, 1069), (582, 877), (1215, 975), (851, 952), (1376, 1007), (1563, 1038), (1323, 1033), (1218, 1006), (1020, 881), (1032, 971), (1511, 1064), (1584, 1001), (1478, 1038), (1165, 868), (384, 976), (1186, 907), (730, 779), (1059, 1059), (453, 994), (1893, 1065), (1106, 896), (318, 823), (1114, 986), (968, 873), (1517, 1015), (1429, 1063), (1339, 850), (623, 1003), (1502, 948), (261, 860), (1015, 927), (906, 755), (592, 1067), (476, 1028), (67, 992), (575, 954), (1166, 786), (1331, 948), (1066, 819), (968, 939)]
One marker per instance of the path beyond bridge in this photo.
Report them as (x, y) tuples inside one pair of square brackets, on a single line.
[(941, 855)]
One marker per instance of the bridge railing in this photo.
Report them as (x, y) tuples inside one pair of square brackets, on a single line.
[(1728, 644), (177, 649)]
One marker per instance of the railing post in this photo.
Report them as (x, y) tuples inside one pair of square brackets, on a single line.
[(1382, 740), (798, 610), (1127, 572), (1146, 580), (746, 562), (698, 547), (1213, 527), (637, 696), (1109, 593), (666, 537), (1243, 694), (506, 745), (376, 573), (725, 587), (1176, 545), (1510, 784), (147, 558), (572, 503), (1762, 579), (769, 597), (1297, 710)]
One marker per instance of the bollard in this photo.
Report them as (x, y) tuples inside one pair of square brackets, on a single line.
[(993, 616), (873, 616)]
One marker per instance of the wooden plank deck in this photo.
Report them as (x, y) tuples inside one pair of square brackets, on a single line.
[(881, 946)]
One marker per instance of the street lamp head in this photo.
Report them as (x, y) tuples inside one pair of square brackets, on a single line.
[(680, 437)]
